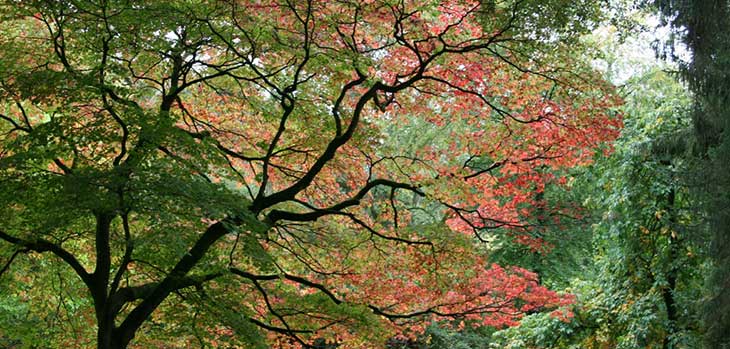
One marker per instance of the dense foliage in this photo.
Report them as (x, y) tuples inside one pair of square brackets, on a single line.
[(363, 174), (288, 174), (643, 286), (701, 26)]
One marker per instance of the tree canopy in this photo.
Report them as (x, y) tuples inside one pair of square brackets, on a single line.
[(301, 174), (700, 28)]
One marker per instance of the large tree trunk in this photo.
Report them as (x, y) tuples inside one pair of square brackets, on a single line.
[(100, 289), (107, 335), (106, 339)]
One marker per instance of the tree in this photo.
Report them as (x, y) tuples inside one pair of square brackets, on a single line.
[(700, 28), (240, 162), (649, 267), (644, 281)]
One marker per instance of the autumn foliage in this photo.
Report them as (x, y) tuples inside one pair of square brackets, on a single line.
[(303, 169)]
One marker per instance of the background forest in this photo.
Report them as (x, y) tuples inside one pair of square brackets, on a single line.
[(364, 174)]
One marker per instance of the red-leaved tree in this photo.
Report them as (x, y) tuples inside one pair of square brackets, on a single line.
[(280, 172)]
